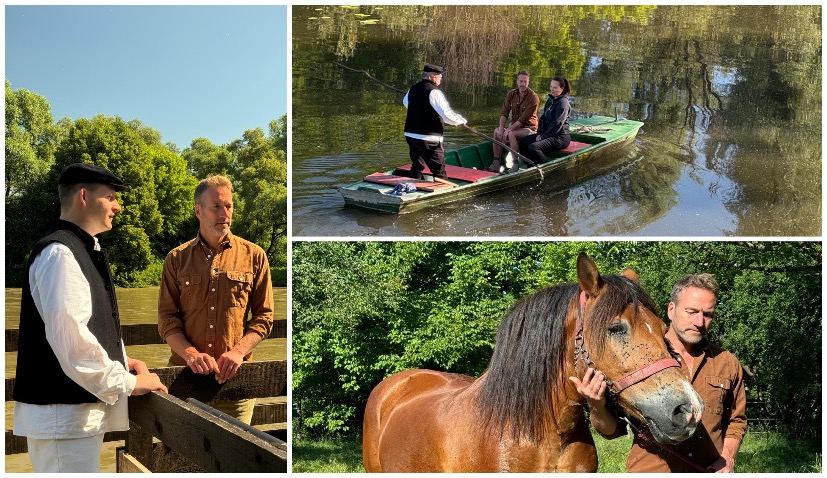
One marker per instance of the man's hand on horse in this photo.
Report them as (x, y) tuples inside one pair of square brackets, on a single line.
[(592, 387)]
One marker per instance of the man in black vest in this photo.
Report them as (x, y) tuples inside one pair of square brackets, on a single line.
[(427, 110), (72, 375)]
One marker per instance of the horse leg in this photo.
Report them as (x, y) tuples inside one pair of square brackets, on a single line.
[(579, 454)]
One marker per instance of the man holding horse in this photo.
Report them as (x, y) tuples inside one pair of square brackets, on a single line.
[(72, 378), (521, 104), (714, 373), (207, 287), (428, 110)]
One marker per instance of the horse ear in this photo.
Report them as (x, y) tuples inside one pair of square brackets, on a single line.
[(630, 274), (588, 276)]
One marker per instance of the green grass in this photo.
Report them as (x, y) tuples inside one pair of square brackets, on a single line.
[(328, 456), (761, 452)]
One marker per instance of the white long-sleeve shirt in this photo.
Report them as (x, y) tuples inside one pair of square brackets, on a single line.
[(62, 296), (440, 104)]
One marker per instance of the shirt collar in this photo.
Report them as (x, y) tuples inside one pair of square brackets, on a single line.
[(88, 240), (227, 243)]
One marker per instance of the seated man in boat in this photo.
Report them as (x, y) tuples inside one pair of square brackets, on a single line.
[(553, 128), (428, 109), (521, 103)]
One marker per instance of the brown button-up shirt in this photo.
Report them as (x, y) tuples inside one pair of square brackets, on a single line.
[(522, 108), (719, 380), (207, 296)]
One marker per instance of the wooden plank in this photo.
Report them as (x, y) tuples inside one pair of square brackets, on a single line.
[(456, 172), (126, 463), (393, 180), (253, 380), (205, 440), (144, 334)]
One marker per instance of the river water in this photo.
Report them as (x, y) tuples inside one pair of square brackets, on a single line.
[(136, 306), (730, 97)]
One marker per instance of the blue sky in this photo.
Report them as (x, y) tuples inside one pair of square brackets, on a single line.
[(185, 71)]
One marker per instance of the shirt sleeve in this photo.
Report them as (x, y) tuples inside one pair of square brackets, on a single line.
[(441, 106), (62, 296), (261, 299), (169, 300)]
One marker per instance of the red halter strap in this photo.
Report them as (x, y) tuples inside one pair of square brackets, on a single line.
[(630, 379)]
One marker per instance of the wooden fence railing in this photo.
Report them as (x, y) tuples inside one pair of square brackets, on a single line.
[(222, 444)]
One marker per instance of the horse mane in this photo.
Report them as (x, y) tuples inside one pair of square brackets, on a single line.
[(526, 369)]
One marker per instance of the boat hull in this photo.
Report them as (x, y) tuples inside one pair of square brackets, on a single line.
[(603, 135)]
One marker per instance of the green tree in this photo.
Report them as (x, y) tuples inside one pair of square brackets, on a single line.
[(31, 140), (257, 166), (362, 311)]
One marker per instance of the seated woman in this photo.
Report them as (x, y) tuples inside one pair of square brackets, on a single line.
[(553, 128)]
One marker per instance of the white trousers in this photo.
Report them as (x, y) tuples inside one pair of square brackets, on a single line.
[(72, 455)]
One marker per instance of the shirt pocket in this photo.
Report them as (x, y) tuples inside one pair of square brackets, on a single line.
[(719, 387), (239, 284), (189, 286)]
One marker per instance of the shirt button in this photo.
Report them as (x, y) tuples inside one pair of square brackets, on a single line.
[(210, 325), (688, 454), (213, 289), (212, 308), (188, 282), (210, 346)]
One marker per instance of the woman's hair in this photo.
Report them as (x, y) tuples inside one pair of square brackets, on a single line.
[(564, 83)]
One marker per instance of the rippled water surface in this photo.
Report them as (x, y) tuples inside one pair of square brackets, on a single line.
[(731, 144)]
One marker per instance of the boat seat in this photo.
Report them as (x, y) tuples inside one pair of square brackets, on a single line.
[(574, 147), (454, 172), (393, 180)]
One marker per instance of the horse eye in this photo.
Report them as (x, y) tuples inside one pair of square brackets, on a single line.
[(617, 328)]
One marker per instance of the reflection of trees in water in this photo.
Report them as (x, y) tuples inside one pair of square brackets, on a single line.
[(477, 44)]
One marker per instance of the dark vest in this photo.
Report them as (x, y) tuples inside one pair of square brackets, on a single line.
[(39, 379), (422, 117)]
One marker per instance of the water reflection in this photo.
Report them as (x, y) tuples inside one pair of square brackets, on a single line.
[(731, 145)]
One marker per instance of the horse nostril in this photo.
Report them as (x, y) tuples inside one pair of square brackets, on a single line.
[(682, 415)]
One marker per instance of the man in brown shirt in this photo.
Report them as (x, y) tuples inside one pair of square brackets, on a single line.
[(207, 287), (715, 374), (521, 103)]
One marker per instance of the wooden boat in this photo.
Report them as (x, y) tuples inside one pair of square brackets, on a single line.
[(466, 168)]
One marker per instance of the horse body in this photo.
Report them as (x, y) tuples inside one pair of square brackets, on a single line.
[(412, 407), (523, 414)]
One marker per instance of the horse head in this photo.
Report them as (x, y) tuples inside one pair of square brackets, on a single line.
[(619, 333)]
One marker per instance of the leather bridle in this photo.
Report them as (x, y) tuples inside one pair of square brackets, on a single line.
[(615, 387)]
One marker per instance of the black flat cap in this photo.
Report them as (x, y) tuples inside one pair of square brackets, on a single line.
[(89, 173), (430, 68)]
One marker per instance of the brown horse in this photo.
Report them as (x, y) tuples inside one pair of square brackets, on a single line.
[(523, 414)]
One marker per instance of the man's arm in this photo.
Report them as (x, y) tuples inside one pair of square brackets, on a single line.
[(62, 296), (198, 362), (441, 106)]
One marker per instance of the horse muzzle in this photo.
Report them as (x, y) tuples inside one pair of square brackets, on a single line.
[(671, 414)]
